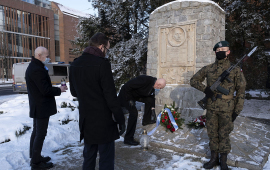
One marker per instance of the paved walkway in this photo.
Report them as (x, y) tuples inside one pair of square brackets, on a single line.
[(127, 158), (250, 147), (250, 142)]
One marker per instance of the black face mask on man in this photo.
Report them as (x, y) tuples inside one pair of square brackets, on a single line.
[(221, 55)]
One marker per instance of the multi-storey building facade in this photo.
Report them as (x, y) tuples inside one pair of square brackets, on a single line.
[(27, 24), (66, 21)]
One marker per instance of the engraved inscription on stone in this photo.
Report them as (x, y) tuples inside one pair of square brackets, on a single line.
[(177, 51)]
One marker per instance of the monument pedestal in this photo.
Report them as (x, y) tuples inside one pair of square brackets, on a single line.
[(185, 98)]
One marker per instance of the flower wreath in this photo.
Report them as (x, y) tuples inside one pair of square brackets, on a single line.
[(165, 120), (198, 122)]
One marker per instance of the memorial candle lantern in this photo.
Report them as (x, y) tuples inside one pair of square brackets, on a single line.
[(63, 82), (144, 140)]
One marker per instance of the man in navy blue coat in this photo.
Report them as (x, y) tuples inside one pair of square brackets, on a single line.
[(91, 81), (42, 105)]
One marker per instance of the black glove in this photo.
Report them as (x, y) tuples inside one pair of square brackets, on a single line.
[(153, 115), (131, 103), (234, 115), (209, 93), (122, 129)]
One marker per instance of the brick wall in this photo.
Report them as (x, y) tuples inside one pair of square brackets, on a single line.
[(67, 31), (70, 33)]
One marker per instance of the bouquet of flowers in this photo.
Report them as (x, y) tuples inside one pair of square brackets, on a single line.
[(165, 120), (198, 122)]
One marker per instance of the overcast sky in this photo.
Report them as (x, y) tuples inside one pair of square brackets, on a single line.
[(81, 5)]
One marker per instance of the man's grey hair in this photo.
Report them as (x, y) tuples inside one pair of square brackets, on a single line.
[(40, 50)]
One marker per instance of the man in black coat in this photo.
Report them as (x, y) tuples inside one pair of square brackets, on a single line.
[(91, 81), (42, 104), (141, 88)]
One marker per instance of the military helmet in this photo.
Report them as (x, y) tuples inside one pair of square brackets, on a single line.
[(221, 44)]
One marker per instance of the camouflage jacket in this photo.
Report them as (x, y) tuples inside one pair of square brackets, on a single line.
[(211, 73)]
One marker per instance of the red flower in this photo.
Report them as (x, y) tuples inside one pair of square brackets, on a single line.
[(195, 120), (172, 129), (176, 118), (169, 121), (163, 120), (201, 123), (166, 117), (169, 126), (174, 112)]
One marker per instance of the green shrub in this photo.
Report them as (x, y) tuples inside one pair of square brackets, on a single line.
[(7, 140), (21, 132)]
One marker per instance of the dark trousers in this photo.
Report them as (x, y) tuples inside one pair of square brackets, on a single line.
[(39, 132), (133, 115), (106, 156)]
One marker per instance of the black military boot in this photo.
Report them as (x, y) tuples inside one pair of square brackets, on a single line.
[(223, 161), (213, 161)]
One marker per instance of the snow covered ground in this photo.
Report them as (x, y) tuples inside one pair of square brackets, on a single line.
[(257, 93), (7, 98), (14, 117)]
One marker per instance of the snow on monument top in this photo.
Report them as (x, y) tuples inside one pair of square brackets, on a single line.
[(206, 1)]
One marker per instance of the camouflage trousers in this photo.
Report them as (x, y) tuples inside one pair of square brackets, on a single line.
[(219, 126)]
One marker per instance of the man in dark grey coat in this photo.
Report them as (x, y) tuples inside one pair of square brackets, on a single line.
[(42, 105), (91, 81)]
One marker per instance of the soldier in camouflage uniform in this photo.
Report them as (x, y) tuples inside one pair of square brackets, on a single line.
[(222, 112)]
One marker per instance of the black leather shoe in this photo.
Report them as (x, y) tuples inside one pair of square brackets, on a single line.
[(41, 165), (131, 142), (43, 159), (148, 123)]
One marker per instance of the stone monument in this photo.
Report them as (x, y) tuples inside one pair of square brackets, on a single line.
[(182, 35)]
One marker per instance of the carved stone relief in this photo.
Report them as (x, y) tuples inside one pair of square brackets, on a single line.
[(177, 51)]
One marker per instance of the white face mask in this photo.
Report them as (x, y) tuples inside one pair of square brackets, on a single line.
[(46, 61), (107, 53)]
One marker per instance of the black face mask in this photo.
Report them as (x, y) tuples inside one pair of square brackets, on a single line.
[(221, 55)]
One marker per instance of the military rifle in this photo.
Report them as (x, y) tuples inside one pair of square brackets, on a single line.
[(224, 76)]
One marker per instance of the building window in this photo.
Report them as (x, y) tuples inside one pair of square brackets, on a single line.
[(57, 58)]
